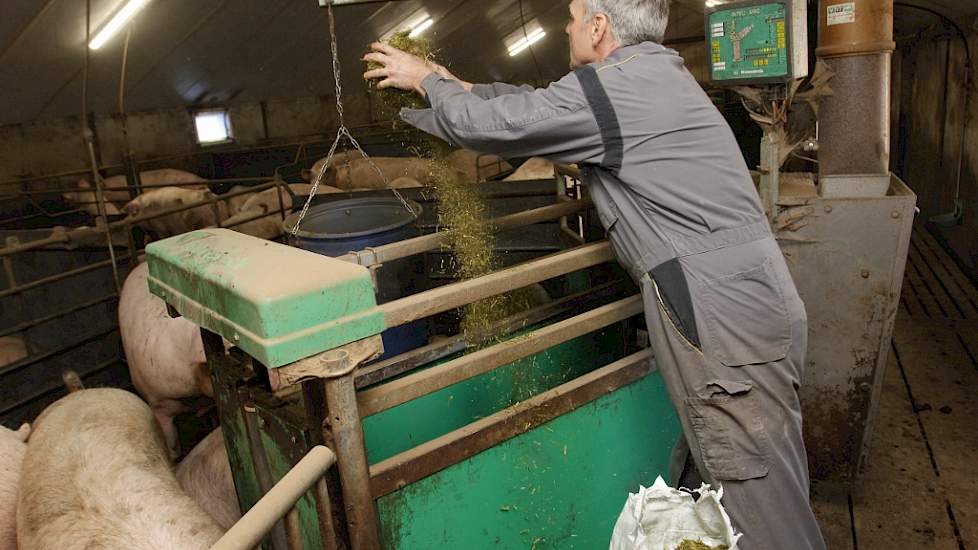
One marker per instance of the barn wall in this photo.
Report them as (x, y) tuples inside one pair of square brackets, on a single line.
[(928, 104), (71, 323), (54, 146)]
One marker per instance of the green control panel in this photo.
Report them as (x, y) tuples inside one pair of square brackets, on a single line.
[(749, 43)]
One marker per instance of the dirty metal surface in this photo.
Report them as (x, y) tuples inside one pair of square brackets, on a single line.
[(847, 258), (455, 295), (549, 481), (433, 456), (917, 487), (227, 376), (278, 303)]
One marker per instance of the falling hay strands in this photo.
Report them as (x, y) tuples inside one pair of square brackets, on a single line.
[(460, 209)]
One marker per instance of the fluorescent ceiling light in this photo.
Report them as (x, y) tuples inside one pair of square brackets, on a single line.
[(121, 17), (420, 28), (415, 24), (213, 126), (526, 41), (712, 3)]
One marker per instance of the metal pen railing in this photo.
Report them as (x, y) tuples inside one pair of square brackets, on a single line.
[(278, 501)]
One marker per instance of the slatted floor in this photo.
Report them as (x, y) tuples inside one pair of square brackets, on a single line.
[(919, 488)]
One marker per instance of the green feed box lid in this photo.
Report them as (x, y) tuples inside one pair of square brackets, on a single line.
[(277, 303)]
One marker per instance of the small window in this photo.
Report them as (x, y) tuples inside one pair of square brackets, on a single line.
[(213, 126)]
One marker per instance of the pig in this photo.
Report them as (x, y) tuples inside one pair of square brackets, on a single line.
[(475, 167), (534, 169), (12, 448), (96, 474), (234, 204), (86, 199), (165, 355), (87, 236), (12, 349), (166, 198), (119, 197), (72, 381), (358, 173), (267, 202), (405, 182), (205, 475)]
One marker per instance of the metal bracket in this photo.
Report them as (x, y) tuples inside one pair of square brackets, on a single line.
[(329, 364), (366, 257)]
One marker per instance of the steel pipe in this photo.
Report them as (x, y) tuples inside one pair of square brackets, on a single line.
[(27, 361), (426, 243), (251, 528), (442, 299), (61, 276), (59, 386), (41, 320), (130, 221), (346, 431), (395, 366), (144, 186), (414, 386), (263, 473)]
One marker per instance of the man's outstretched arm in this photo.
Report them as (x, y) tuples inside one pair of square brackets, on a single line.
[(554, 122)]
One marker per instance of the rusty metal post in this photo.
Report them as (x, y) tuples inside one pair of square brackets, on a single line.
[(770, 174), (346, 431), (329, 508), (278, 535)]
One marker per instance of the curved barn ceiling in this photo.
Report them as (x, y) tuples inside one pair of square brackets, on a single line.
[(204, 52)]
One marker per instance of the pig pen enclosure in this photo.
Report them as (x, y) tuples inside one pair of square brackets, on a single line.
[(61, 279), (66, 260)]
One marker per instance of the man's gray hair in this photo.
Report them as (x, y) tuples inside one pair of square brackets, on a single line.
[(633, 21)]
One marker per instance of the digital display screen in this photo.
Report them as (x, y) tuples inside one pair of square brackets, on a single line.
[(749, 43)]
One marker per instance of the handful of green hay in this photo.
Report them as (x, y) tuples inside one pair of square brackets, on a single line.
[(393, 99)]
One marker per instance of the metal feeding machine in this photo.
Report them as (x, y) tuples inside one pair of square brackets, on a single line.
[(534, 440), (844, 231)]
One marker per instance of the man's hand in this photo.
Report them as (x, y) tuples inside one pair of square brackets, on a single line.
[(402, 70)]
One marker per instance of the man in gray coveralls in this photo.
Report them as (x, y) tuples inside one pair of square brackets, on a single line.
[(673, 192)]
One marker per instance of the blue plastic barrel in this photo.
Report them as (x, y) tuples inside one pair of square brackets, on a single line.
[(336, 228)]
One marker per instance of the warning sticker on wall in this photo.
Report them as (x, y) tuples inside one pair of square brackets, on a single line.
[(839, 14)]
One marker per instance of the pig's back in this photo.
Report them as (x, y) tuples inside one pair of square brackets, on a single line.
[(11, 457), (161, 351), (97, 476)]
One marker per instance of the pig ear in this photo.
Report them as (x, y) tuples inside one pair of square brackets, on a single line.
[(83, 183), (307, 175), (132, 208), (24, 433)]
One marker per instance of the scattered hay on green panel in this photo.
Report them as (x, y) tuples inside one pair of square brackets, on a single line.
[(698, 545)]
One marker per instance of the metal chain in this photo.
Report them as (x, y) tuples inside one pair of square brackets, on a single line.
[(341, 133)]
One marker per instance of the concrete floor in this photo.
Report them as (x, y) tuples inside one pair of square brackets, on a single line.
[(918, 488)]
